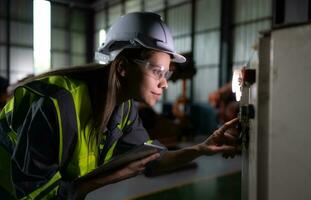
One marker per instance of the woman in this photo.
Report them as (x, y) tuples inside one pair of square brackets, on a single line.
[(64, 124)]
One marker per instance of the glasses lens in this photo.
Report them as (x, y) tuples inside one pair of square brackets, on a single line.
[(158, 72), (168, 75)]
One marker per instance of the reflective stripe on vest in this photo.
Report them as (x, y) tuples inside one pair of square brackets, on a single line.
[(121, 125), (47, 191)]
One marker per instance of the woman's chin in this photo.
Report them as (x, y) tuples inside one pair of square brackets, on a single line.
[(151, 102)]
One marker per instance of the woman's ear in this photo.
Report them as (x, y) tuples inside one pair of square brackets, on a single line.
[(122, 67)]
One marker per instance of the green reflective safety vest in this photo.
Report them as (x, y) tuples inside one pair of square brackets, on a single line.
[(77, 155)]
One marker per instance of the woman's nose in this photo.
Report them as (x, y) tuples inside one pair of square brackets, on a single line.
[(163, 83)]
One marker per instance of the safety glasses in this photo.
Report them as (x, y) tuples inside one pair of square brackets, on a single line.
[(156, 71)]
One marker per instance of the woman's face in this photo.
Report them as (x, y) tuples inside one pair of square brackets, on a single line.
[(146, 80)]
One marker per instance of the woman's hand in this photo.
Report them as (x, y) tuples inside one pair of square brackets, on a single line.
[(223, 140)]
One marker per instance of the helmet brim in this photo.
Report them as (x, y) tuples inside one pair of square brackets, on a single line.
[(177, 58), (106, 58)]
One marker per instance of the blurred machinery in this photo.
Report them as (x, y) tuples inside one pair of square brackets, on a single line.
[(181, 106), (159, 127), (223, 100)]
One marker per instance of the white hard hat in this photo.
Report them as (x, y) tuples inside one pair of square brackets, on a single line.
[(136, 30)]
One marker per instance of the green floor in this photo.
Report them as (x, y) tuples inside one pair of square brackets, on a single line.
[(225, 188)]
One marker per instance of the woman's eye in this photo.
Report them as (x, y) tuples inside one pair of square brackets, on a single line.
[(157, 72)]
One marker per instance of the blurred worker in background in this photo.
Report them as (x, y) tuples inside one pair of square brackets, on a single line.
[(223, 100), (63, 124), (4, 95)]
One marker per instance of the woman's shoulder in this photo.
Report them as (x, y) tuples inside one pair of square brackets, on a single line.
[(64, 82)]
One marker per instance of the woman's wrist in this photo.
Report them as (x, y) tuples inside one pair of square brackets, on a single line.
[(203, 149), (200, 150)]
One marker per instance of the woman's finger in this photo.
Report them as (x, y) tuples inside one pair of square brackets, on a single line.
[(229, 139), (233, 131), (223, 148), (228, 125)]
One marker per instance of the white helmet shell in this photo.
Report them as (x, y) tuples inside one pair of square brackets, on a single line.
[(135, 30)]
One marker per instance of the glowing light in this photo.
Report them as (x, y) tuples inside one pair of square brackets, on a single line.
[(102, 36), (42, 35), (237, 84), (102, 39)]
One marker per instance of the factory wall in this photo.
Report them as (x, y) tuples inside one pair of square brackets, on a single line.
[(69, 29), (70, 43), (16, 49), (68, 36)]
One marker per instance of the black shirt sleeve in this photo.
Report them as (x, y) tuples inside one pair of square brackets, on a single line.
[(135, 134), (35, 157)]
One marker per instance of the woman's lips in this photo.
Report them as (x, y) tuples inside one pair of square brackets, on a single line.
[(157, 95)]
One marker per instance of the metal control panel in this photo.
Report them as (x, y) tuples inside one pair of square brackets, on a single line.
[(242, 81)]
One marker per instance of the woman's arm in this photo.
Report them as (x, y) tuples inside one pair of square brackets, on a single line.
[(79, 189), (223, 140)]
